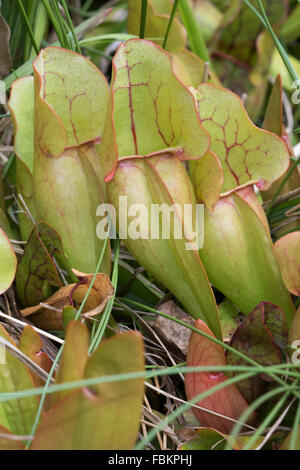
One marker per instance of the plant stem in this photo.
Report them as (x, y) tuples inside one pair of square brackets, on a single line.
[(265, 20), (258, 402), (211, 338), (294, 432), (28, 25), (181, 409), (196, 38), (106, 315), (143, 18), (54, 22), (170, 23), (71, 26)]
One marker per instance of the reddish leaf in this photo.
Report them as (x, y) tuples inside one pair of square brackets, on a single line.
[(7, 441), (106, 416), (31, 344), (74, 358), (227, 401)]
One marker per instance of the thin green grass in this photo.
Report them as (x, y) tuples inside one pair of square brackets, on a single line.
[(98, 333), (255, 405), (26, 69), (295, 430), (195, 35), (55, 23), (279, 46), (172, 16), (28, 25), (55, 362), (144, 8), (76, 46), (159, 372), (205, 335), (289, 66), (181, 409), (287, 176)]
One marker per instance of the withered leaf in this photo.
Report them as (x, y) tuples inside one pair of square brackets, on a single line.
[(49, 314)]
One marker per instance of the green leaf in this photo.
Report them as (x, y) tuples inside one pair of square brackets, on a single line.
[(289, 31), (273, 117), (210, 439), (74, 357), (164, 180), (21, 105), (248, 154), (190, 69), (204, 439), (229, 318), (37, 270), (243, 266), (31, 345), (262, 337), (228, 401), (153, 112), (207, 16), (74, 88), (71, 97), (277, 66), (207, 177), (16, 415), (112, 411), (8, 264), (287, 253)]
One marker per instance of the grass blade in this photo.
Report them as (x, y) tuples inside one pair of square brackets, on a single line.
[(170, 23), (28, 25), (196, 38), (55, 362), (143, 18)]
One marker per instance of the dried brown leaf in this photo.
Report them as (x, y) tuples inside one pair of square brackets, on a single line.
[(51, 318)]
